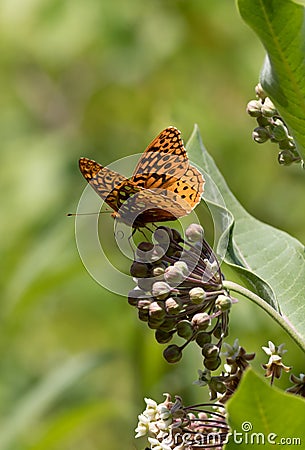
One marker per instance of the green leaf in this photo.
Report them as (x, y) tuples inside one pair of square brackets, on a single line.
[(270, 262), (34, 403), (267, 413), (280, 26)]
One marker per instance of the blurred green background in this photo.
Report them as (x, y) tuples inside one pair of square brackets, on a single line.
[(101, 79)]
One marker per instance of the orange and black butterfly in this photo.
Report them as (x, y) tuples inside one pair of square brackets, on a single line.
[(163, 187)]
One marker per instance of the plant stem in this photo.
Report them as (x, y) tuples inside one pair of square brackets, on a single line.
[(284, 323)]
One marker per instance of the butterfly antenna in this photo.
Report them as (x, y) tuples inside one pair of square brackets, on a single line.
[(88, 214)]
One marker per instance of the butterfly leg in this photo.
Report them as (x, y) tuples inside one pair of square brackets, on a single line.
[(142, 232), (129, 242)]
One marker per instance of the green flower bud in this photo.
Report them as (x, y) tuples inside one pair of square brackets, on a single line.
[(260, 135), (171, 306), (172, 353), (223, 302), (268, 109), (173, 275), (197, 295), (217, 385), (263, 121), (212, 364), (210, 351), (162, 337), (194, 232), (154, 322), (285, 157), (161, 232), (185, 329), (211, 265), (254, 108), (145, 284), (201, 321), (158, 271), (161, 290), (182, 266), (135, 295), (217, 332), (260, 92), (139, 270), (203, 338), (168, 324), (279, 131), (145, 246), (288, 144), (162, 236), (144, 303), (156, 310), (143, 315), (157, 253), (295, 153), (133, 301)]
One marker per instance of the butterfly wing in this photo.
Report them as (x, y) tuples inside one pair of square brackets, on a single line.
[(164, 185), (105, 182), (160, 205), (148, 206), (189, 187), (163, 162)]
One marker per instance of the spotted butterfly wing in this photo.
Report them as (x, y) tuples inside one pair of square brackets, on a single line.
[(141, 204), (161, 205), (164, 185), (105, 182), (163, 162), (189, 188), (147, 206)]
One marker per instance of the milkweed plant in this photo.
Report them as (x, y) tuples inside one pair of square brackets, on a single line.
[(182, 295)]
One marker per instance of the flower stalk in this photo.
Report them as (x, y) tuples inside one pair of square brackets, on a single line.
[(232, 286)]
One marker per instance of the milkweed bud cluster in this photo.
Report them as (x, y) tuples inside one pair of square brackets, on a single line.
[(272, 127), (179, 292)]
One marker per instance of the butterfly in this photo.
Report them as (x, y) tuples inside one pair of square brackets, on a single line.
[(163, 187)]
